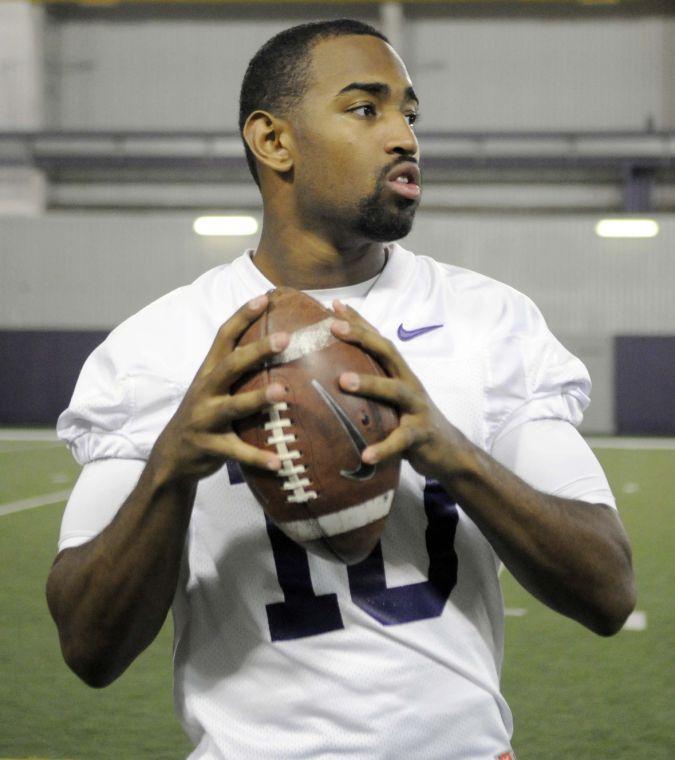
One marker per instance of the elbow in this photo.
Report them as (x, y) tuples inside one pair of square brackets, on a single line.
[(611, 615), (93, 679), (95, 671), (86, 655), (617, 596), (90, 659)]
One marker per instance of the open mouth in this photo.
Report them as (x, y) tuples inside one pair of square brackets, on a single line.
[(405, 180)]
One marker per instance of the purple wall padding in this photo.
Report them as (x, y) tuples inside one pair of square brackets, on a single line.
[(644, 384), (38, 371)]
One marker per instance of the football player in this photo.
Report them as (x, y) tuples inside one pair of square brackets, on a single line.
[(279, 653)]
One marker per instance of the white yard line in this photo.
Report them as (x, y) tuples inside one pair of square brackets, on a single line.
[(27, 434), (637, 621), (597, 442), (44, 447), (36, 501)]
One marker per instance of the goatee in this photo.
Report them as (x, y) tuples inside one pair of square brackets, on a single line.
[(383, 222)]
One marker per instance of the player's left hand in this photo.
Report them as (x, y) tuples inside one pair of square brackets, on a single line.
[(432, 445)]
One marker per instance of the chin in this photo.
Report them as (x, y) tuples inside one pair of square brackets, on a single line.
[(387, 227)]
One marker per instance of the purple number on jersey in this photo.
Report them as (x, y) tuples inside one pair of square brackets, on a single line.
[(304, 613), (414, 601)]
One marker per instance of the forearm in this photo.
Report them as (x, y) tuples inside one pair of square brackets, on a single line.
[(571, 555), (110, 596)]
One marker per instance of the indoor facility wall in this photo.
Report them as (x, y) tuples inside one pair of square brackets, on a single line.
[(71, 270), (88, 272), (518, 73)]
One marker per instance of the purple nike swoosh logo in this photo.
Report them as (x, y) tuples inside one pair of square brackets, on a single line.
[(404, 334)]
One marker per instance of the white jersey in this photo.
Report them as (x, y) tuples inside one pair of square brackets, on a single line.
[(280, 654)]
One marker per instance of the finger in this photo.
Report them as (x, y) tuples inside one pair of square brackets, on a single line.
[(351, 315), (390, 390), (230, 446), (245, 358), (230, 331), (360, 333), (225, 409), (394, 444)]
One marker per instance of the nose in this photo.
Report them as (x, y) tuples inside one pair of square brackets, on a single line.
[(401, 138)]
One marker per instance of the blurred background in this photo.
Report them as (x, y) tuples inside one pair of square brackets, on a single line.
[(540, 120)]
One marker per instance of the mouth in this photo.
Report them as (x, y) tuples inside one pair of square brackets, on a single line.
[(405, 180)]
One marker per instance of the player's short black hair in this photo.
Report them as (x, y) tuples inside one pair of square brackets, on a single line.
[(277, 76)]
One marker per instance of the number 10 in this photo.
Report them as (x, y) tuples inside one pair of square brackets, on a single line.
[(304, 613)]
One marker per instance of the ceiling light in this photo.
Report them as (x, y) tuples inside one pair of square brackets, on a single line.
[(225, 225), (627, 228)]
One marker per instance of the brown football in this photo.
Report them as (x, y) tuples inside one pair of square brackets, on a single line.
[(324, 497)]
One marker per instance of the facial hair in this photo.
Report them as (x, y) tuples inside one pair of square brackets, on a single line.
[(383, 221)]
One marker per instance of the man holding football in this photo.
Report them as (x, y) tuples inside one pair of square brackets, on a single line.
[(280, 653)]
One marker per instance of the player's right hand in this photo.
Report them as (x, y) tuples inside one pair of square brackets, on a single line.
[(199, 437)]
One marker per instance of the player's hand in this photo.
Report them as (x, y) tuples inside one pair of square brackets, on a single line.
[(424, 437), (199, 436)]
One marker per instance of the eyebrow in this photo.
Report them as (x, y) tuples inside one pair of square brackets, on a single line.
[(378, 88)]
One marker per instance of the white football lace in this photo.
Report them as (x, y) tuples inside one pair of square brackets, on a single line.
[(280, 439)]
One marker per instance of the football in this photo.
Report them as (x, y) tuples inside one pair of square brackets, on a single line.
[(323, 497)]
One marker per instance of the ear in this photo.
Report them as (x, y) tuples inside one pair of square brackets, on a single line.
[(269, 140)]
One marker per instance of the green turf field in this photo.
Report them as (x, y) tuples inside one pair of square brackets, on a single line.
[(574, 695)]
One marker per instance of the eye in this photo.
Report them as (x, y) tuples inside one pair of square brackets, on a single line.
[(369, 110), (413, 118)]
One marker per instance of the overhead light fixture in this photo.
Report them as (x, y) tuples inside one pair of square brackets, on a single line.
[(225, 225), (627, 228)]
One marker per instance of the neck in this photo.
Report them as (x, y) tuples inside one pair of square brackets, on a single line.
[(306, 261)]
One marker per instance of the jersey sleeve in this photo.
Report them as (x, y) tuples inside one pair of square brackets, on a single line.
[(120, 404), (532, 376)]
